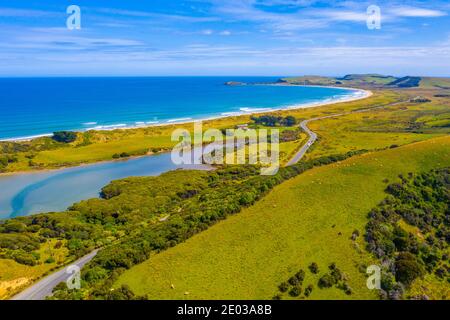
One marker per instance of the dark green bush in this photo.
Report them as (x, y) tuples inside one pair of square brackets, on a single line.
[(64, 136)]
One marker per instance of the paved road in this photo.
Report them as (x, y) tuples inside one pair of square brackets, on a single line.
[(42, 289), (313, 136)]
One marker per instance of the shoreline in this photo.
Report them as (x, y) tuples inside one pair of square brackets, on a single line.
[(367, 94), (171, 122)]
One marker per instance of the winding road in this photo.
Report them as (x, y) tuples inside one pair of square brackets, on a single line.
[(313, 136)]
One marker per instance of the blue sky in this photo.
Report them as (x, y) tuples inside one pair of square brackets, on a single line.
[(223, 37)]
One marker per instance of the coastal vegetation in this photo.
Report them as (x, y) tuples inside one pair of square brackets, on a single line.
[(274, 121), (64, 136), (409, 233)]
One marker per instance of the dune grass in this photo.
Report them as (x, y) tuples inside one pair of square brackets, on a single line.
[(307, 219)]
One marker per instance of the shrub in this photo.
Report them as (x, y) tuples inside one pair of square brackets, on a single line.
[(408, 268), (122, 293), (295, 291), (347, 289), (314, 268), (294, 281), (283, 287), (25, 258), (50, 260), (326, 281), (14, 227), (308, 290), (300, 276)]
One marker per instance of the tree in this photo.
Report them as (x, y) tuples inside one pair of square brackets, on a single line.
[(64, 136), (408, 268), (327, 281), (308, 290), (294, 281), (314, 268), (122, 293), (289, 121), (283, 287), (295, 291), (300, 276)]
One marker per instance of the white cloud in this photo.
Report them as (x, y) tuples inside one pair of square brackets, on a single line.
[(16, 13), (207, 32), (340, 15), (413, 12), (147, 14)]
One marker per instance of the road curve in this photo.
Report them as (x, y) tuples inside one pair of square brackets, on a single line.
[(313, 136), (42, 289)]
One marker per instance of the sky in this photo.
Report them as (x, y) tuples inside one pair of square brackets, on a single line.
[(224, 37)]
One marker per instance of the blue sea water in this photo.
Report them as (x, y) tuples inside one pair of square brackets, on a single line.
[(38, 106)]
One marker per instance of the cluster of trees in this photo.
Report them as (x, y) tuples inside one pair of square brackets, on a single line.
[(121, 155), (275, 121), (126, 223), (64, 136), (293, 286), (335, 277), (420, 201)]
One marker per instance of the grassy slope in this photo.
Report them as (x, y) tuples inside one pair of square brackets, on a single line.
[(248, 255), (429, 82)]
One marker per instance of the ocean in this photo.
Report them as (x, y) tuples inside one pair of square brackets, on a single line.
[(32, 107)]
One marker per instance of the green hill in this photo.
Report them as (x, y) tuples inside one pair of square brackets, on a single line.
[(308, 219)]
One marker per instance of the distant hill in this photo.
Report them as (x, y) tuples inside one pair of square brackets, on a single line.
[(367, 80), (371, 81)]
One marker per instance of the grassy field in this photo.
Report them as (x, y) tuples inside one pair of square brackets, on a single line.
[(381, 128), (307, 219)]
